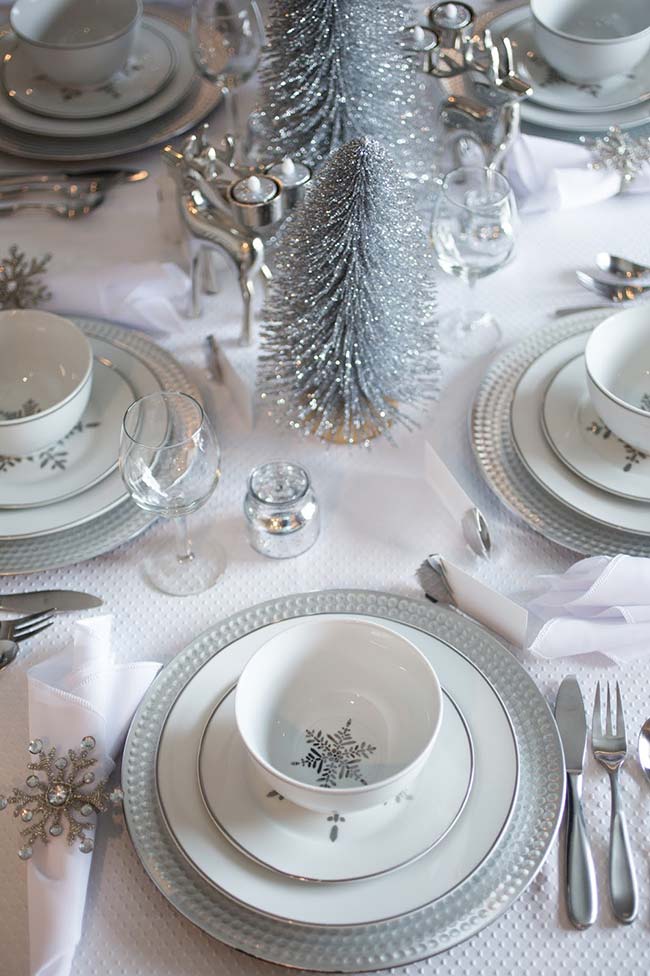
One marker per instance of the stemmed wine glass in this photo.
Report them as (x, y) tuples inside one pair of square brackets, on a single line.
[(169, 461), (227, 38), (473, 235)]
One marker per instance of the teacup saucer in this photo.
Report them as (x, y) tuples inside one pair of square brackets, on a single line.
[(150, 67), (583, 442), (331, 848)]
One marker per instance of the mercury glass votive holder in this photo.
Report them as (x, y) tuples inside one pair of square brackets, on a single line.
[(281, 510)]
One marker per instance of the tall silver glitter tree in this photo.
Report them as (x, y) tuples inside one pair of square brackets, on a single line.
[(335, 70), (349, 341)]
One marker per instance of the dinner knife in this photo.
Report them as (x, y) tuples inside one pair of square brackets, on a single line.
[(581, 892), (59, 600)]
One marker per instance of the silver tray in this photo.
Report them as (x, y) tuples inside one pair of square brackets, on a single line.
[(122, 523), (509, 479), (474, 904), (203, 98)]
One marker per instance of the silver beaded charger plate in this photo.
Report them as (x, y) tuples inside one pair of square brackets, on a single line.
[(120, 524), (500, 465), (202, 98), (431, 929)]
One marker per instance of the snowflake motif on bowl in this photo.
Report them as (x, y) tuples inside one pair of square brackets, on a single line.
[(336, 756), (632, 454)]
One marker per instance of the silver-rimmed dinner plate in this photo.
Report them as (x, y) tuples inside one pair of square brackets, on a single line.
[(126, 520), (150, 67), (201, 99), (332, 848), (502, 468), (470, 906), (585, 443)]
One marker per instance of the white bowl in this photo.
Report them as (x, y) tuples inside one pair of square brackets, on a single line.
[(77, 43), (45, 379), (617, 361), (338, 715), (590, 40)]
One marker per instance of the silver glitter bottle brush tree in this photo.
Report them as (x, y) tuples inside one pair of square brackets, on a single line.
[(349, 344), (336, 70)]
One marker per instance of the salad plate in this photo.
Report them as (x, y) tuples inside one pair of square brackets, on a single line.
[(584, 442), (310, 846)]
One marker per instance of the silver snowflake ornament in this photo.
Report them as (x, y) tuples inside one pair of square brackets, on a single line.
[(20, 284), (57, 801), (618, 151)]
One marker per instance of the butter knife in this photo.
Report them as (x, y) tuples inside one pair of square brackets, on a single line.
[(59, 600), (581, 892)]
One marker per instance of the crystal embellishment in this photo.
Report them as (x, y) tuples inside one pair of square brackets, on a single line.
[(620, 152), (58, 800)]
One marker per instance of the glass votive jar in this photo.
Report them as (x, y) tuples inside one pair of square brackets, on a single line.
[(281, 510)]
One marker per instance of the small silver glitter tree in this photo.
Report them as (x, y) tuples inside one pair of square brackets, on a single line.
[(336, 70), (349, 340)]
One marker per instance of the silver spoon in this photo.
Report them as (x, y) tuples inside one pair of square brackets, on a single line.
[(8, 652), (69, 210), (644, 748), (608, 289), (621, 267)]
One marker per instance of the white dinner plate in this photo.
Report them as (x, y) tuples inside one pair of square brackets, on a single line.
[(107, 493), (87, 453), (541, 460), (163, 101), (550, 89), (585, 444), (148, 70), (467, 845), (330, 847)]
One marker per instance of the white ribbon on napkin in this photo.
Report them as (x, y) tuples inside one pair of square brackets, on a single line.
[(547, 174), (80, 692), (599, 605), (149, 295)]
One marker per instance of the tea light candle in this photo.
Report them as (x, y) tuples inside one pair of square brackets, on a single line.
[(453, 22), (294, 178), (281, 510), (257, 200)]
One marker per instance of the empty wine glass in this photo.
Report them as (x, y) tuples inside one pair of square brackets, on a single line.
[(227, 38), (473, 235), (169, 460)]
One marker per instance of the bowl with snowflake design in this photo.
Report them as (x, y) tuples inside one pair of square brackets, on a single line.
[(338, 715), (45, 379)]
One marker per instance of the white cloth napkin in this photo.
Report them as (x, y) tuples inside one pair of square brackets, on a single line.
[(547, 174), (599, 605), (80, 692), (149, 296)]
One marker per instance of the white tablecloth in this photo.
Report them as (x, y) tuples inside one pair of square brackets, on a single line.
[(379, 521)]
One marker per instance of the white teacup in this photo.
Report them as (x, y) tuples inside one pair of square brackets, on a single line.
[(591, 40), (77, 43)]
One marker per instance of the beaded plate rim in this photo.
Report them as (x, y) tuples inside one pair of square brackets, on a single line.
[(499, 463), (420, 934)]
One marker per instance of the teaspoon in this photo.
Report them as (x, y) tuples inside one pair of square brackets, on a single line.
[(614, 292), (620, 267)]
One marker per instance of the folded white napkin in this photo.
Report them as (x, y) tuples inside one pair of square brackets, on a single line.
[(80, 692), (599, 605), (150, 296), (547, 174)]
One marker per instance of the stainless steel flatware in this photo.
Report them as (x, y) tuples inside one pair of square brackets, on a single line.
[(621, 267), (58, 601), (72, 183), (8, 652), (69, 210), (561, 313), (614, 292), (644, 749), (610, 749), (581, 891), (24, 627)]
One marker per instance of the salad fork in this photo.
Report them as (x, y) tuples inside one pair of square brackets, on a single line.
[(21, 628), (610, 749)]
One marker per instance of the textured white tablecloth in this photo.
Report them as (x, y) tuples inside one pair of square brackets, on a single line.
[(378, 523)]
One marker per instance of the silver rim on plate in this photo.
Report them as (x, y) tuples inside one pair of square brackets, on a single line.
[(463, 912), (122, 523), (493, 446)]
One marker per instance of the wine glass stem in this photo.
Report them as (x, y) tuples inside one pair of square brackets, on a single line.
[(230, 106), (185, 553)]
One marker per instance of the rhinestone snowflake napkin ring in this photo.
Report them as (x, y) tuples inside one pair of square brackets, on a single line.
[(47, 809)]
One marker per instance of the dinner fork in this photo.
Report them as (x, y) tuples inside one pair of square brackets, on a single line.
[(610, 749), (23, 627)]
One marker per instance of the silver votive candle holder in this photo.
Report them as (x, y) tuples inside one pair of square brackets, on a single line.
[(281, 510)]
